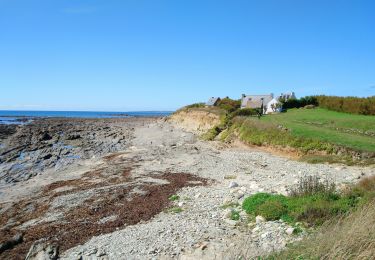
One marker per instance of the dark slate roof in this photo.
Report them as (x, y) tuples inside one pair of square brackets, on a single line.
[(255, 101), (212, 101)]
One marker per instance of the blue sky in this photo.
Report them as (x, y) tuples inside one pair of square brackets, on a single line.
[(126, 55)]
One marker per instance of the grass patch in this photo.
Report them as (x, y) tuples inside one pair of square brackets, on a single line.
[(230, 177), (347, 130), (212, 133), (235, 215), (175, 210), (230, 205), (174, 198)]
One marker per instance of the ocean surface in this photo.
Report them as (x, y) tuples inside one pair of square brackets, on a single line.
[(21, 117)]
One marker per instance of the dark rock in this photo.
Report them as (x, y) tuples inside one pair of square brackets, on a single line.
[(45, 137), (47, 156), (9, 244), (73, 137)]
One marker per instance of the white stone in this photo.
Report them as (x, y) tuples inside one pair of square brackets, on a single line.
[(289, 231), (233, 184), (260, 219)]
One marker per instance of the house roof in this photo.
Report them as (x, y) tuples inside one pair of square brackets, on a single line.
[(212, 101), (256, 101), (287, 95)]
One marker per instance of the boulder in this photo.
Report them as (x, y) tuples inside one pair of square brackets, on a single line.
[(41, 250), (259, 219)]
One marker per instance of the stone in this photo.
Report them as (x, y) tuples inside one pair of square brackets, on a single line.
[(227, 213), (289, 231), (259, 219), (231, 222), (18, 238), (233, 184), (41, 250), (100, 253)]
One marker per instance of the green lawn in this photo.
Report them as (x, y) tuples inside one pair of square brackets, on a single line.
[(349, 130)]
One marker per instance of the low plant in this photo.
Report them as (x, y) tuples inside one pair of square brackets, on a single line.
[(313, 184), (235, 215), (230, 177), (212, 133), (230, 205), (174, 198), (312, 201), (272, 209), (175, 210)]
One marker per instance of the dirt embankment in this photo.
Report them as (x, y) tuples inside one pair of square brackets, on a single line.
[(196, 120)]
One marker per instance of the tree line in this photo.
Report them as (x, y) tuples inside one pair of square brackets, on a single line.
[(353, 105)]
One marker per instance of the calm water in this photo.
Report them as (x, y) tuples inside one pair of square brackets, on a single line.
[(19, 117)]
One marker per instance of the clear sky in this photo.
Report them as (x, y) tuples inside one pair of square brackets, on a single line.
[(124, 55)]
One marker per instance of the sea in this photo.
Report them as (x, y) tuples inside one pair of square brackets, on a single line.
[(22, 117)]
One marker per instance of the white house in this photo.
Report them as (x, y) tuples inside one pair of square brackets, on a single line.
[(269, 103), (256, 101), (274, 106)]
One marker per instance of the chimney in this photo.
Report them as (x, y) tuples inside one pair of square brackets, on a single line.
[(243, 95)]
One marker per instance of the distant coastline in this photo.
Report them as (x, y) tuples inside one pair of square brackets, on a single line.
[(19, 117)]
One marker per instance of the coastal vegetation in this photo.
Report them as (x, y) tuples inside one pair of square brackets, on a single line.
[(349, 235), (313, 201), (354, 105), (315, 134)]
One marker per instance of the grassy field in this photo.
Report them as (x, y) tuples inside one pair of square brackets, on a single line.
[(348, 130)]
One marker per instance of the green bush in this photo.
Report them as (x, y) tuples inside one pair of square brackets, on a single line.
[(229, 105), (297, 103), (313, 203), (195, 105), (353, 105), (251, 204), (244, 112), (272, 209)]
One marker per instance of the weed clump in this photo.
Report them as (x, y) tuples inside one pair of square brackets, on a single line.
[(174, 198), (312, 201)]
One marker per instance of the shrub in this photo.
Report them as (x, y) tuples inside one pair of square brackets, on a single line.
[(309, 185), (354, 105), (272, 209), (195, 105), (229, 105), (313, 201), (244, 112), (297, 103)]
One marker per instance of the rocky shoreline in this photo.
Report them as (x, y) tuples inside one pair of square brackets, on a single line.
[(113, 201), (58, 142)]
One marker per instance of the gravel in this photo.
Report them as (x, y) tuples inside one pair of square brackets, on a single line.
[(203, 229)]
